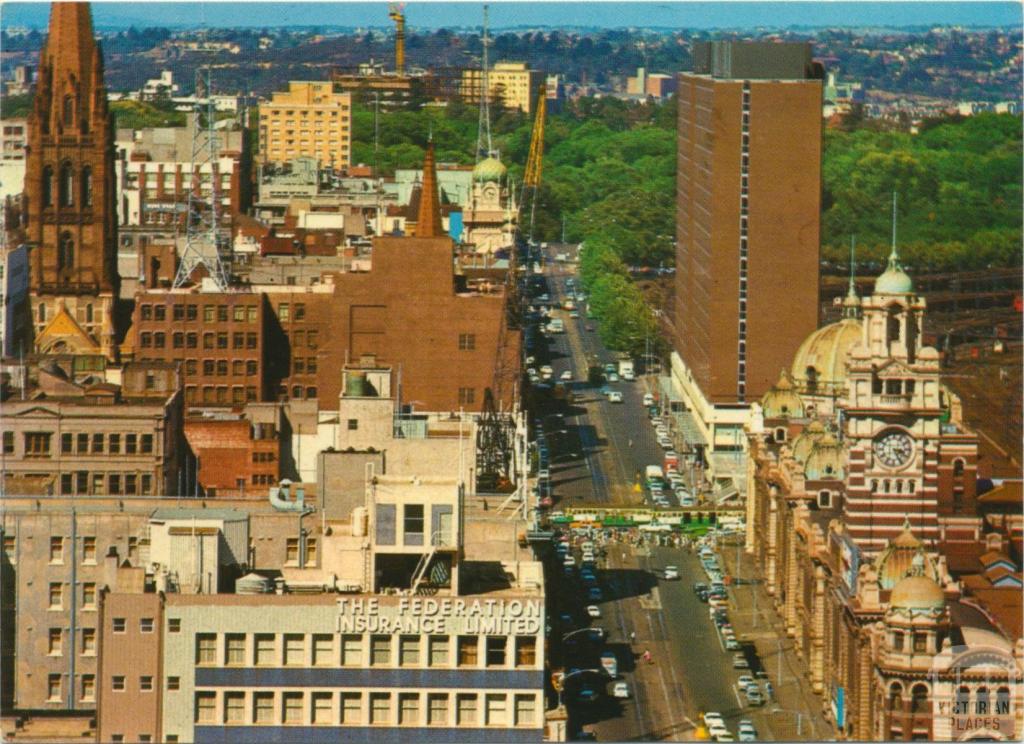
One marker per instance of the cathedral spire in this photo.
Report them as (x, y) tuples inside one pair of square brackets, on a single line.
[(894, 280), (851, 305), (428, 221)]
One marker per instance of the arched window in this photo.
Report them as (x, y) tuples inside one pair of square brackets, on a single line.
[(887, 487), (812, 379), (1002, 702), (47, 186), (911, 485), (892, 324), (897, 640), (958, 468), (66, 187), (899, 486), (69, 111), (825, 499), (919, 699), (87, 186), (42, 312), (780, 434), (874, 486), (896, 697), (963, 700), (65, 253), (981, 702)]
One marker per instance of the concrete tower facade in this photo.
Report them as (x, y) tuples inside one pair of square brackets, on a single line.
[(69, 189)]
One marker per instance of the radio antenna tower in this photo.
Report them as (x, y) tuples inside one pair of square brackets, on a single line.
[(204, 244), (483, 132)]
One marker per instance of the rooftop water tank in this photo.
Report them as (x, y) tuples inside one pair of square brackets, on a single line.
[(253, 583), (355, 384)]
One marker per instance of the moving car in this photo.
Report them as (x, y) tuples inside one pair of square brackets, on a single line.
[(671, 573), (614, 397), (594, 594), (566, 375), (587, 695), (754, 696), (610, 663), (648, 399), (620, 690), (593, 611), (747, 732)]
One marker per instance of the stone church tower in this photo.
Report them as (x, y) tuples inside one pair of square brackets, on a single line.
[(69, 190)]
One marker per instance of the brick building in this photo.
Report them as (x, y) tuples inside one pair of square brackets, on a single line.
[(69, 185), (77, 434), (239, 453), (289, 342)]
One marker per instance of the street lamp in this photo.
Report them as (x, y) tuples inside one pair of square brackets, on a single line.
[(561, 683)]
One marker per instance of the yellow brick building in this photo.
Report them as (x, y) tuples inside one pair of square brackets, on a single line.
[(309, 119), (513, 83)]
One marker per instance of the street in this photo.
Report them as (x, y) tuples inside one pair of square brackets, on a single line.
[(690, 672)]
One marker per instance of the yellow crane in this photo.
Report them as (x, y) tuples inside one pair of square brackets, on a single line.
[(535, 160), (396, 15)]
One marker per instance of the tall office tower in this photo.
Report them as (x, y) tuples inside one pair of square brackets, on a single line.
[(749, 199), (69, 187)]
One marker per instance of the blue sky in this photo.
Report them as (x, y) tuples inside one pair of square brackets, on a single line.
[(509, 14)]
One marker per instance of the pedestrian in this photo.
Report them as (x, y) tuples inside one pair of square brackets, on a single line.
[(632, 637), (630, 442)]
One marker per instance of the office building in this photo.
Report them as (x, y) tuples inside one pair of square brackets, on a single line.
[(512, 85), (309, 119), (14, 305), (749, 197)]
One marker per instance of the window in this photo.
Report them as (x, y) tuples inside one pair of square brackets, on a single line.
[(8, 442), (117, 683), (208, 313), (250, 312), (323, 649), (897, 640), (119, 625), (437, 709), (467, 341), (468, 651), (37, 444), (465, 709), (222, 313), (47, 197), (466, 396), (496, 650), (208, 340), (55, 642), (526, 710), (413, 524), (351, 650), (300, 311), (408, 709), (310, 557), (380, 708), (53, 688), (66, 188), (263, 707), (497, 711), (283, 313), (88, 595), (322, 702), (825, 499), (146, 683), (88, 641), (130, 444), (409, 650), (206, 648), (82, 444), (237, 340), (439, 651), (234, 649), (294, 649), (265, 649), (56, 596), (173, 683), (351, 707), (234, 707), (526, 651), (146, 444), (292, 707), (146, 625), (380, 650), (920, 643), (192, 342), (88, 687), (174, 625), (291, 551), (206, 707)]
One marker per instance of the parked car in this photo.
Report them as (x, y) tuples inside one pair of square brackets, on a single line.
[(614, 397), (671, 573), (754, 696), (594, 594), (566, 375), (593, 611), (620, 690), (747, 732), (648, 399), (739, 661)]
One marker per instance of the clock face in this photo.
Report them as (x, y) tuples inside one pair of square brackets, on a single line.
[(894, 448)]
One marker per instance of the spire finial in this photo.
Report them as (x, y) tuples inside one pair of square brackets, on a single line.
[(894, 256), (852, 301)]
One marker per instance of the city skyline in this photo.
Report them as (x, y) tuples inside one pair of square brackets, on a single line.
[(510, 15)]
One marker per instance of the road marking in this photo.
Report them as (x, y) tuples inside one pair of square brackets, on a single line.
[(651, 601)]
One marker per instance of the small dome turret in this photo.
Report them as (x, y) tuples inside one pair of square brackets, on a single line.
[(489, 169), (826, 460), (894, 280), (781, 400), (805, 441)]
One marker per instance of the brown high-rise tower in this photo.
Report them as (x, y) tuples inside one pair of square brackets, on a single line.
[(69, 189)]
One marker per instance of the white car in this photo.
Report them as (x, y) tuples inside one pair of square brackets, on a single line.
[(620, 690), (594, 611), (718, 729), (547, 370), (569, 561), (566, 375), (614, 397), (648, 399), (671, 573), (713, 717)]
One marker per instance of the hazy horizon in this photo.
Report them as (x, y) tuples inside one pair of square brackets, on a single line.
[(432, 15)]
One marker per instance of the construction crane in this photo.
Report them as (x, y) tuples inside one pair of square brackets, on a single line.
[(535, 160), (395, 14)]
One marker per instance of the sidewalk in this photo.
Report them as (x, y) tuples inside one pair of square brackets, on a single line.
[(795, 711)]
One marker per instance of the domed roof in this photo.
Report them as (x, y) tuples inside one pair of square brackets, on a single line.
[(825, 461), (917, 593), (781, 401), (805, 441), (826, 351), (894, 280), (489, 169), (903, 555)]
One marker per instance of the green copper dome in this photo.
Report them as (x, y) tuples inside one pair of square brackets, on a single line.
[(894, 280), (489, 169)]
